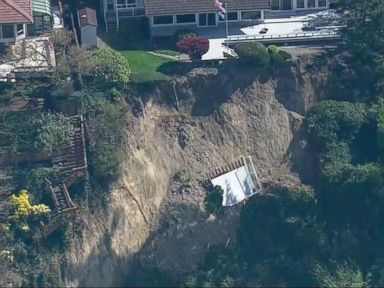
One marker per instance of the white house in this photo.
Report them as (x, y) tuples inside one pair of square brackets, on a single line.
[(167, 16)]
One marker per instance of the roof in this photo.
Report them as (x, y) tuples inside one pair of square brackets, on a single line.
[(15, 11), (238, 181), (87, 16), (166, 7), (237, 185)]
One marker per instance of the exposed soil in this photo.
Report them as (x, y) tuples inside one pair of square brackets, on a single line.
[(156, 210)]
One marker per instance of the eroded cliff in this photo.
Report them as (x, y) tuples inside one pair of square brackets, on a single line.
[(155, 213)]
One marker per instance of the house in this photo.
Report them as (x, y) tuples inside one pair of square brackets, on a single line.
[(167, 16), (42, 17), (14, 17), (87, 20), (22, 18)]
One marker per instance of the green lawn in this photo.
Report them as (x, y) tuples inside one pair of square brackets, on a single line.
[(144, 66)]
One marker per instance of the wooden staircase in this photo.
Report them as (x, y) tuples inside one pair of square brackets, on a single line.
[(61, 198), (225, 169), (73, 157), (112, 26), (71, 161)]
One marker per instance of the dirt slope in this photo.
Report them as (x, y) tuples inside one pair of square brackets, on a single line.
[(160, 218)]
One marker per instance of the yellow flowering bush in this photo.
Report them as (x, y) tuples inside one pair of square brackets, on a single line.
[(40, 209), (23, 207)]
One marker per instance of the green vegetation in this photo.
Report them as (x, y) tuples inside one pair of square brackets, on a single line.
[(110, 67), (328, 233), (253, 53), (145, 66), (258, 54), (104, 134), (344, 275), (37, 131), (213, 200), (359, 73)]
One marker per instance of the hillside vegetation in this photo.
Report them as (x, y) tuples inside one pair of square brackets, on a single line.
[(148, 217)]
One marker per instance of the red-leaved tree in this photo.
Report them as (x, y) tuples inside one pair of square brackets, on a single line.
[(195, 46)]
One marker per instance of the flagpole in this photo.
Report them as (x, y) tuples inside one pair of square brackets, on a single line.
[(226, 20)]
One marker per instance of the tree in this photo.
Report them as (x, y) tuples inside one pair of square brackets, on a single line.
[(253, 53), (334, 121), (362, 49), (347, 274), (287, 240), (380, 129), (195, 46)]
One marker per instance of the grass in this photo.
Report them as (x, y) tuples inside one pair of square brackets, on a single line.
[(145, 66)]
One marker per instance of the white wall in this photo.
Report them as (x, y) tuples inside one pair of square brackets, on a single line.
[(88, 36)]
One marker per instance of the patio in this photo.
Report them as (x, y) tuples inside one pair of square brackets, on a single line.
[(30, 55), (276, 27)]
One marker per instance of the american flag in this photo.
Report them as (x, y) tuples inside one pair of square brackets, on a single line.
[(220, 6)]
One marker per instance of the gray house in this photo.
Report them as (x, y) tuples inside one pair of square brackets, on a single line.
[(167, 16), (88, 27)]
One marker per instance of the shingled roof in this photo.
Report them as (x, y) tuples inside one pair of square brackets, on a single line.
[(166, 7), (87, 16), (15, 11)]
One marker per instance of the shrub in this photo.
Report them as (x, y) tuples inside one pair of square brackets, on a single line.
[(104, 135), (253, 53), (111, 67), (195, 47), (214, 199), (54, 130), (22, 207), (273, 49), (335, 121), (277, 59), (43, 131), (184, 34), (285, 55)]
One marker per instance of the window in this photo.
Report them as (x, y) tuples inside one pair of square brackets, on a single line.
[(123, 4), (186, 18), (275, 4), (162, 20), (8, 31), (322, 3), (250, 15), (202, 19), (232, 16), (311, 3), (300, 4), (20, 29)]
